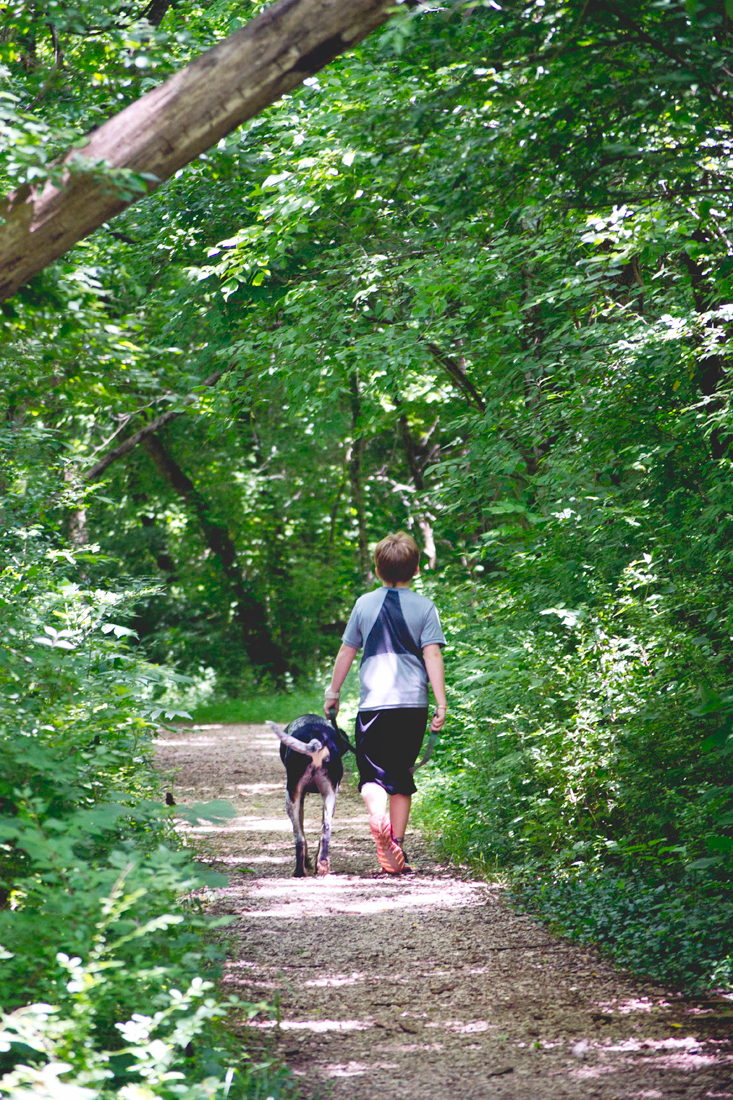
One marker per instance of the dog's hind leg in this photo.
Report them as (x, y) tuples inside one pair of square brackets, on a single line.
[(294, 806), (329, 805), (308, 863)]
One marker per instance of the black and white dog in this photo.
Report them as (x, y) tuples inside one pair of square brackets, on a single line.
[(311, 751)]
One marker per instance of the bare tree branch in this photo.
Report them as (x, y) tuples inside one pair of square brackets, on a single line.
[(127, 445), (457, 375)]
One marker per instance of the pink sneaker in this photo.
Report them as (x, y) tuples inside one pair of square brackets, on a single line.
[(389, 854)]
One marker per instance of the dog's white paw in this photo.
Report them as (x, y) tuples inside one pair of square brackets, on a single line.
[(314, 746)]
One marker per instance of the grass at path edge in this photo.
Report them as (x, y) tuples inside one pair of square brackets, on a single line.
[(257, 709)]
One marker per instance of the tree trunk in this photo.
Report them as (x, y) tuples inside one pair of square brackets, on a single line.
[(156, 10), (334, 515), (424, 521), (258, 645), (78, 514), (428, 538), (157, 548), (176, 122), (410, 448)]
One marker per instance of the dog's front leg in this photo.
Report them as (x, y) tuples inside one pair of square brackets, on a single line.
[(329, 805), (294, 806)]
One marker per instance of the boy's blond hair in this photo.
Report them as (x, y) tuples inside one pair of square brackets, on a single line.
[(396, 558)]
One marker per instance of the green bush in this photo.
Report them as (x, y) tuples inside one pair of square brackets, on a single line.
[(677, 933), (594, 738), (107, 964)]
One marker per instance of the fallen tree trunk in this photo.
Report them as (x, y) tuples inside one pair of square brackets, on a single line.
[(175, 123)]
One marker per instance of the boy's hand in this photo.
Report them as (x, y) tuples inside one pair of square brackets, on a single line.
[(344, 661), (438, 719)]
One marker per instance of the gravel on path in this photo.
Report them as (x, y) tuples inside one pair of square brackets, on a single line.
[(424, 986)]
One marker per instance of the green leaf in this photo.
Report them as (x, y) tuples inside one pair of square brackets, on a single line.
[(215, 812)]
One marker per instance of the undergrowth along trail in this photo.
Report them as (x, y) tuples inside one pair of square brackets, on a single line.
[(428, 985)]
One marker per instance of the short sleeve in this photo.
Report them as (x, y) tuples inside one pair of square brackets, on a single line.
[(352, 634), (432, 631)]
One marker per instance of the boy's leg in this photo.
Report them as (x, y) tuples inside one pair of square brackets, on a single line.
[(389, 854), (399, 812), (399, 806), (375, 798)]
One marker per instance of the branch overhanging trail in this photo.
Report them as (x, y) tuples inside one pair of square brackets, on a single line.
[(152, 138)]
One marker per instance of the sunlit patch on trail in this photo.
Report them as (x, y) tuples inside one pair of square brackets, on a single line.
[(683, 1054), (354, 1069), (590, 1073), (337, 980), (257, 859), (316, 1026), (251, 825), (461, 1028), (351, 895), (688, 1043), (258, 788), (635, 1004), (408, 1048)]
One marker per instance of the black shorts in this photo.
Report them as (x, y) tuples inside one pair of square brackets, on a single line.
[(387, 744)]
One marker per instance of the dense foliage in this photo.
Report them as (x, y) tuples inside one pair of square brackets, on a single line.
[(107, 972), (473, 280)]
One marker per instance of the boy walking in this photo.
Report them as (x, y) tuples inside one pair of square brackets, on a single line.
[(401, 636)]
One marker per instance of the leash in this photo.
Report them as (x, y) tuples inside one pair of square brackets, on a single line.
[(432, 741), (339, 733)]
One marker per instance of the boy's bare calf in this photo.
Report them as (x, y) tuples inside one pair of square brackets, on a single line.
[(311, 751)]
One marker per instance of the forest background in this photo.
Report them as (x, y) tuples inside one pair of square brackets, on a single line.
[(472, 280)]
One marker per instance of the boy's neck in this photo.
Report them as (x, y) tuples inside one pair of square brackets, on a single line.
[(398, 584)]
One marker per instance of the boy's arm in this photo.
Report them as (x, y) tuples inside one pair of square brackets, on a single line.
[(344, 661), (435, 669), (433, 657)]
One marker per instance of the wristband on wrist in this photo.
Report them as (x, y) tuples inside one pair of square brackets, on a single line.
[(333, 694)]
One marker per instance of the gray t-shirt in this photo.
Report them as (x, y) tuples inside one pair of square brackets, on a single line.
[(393, 625)]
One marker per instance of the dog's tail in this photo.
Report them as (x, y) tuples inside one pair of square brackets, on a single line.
[(293, 743)]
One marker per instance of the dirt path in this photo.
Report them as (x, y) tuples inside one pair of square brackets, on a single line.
[(427, 986)]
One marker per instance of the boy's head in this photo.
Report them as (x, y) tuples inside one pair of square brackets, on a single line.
[(396, 558)]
